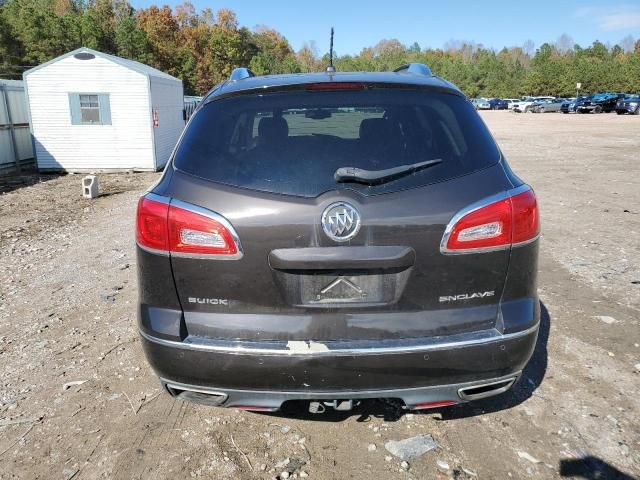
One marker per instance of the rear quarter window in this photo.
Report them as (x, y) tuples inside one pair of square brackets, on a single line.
[(293, 142)]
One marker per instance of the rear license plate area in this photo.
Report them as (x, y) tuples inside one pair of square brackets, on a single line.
[(341, 288)]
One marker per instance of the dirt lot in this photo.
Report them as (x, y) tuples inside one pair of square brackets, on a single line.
[(77, 399)]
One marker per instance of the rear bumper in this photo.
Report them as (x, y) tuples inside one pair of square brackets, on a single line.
[(416, 371)]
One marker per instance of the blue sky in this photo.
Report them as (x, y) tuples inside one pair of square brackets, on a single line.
[(495, 24)]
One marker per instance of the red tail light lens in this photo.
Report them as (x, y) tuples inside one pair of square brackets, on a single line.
[(183, 229), (526, 223), (151, 224), (195, 233), (496, 225)]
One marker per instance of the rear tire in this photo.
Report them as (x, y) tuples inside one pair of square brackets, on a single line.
[(619, 112)]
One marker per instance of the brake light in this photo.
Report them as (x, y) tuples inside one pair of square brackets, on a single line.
[(336, 86), (494, 226), (526, 222), (151, 224), (183, 229)]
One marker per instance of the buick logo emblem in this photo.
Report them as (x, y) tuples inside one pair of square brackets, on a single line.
[(341, 221)]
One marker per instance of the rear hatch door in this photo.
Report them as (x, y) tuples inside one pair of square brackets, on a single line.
[(325, 258)]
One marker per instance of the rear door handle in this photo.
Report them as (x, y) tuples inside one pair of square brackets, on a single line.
[(331, 258)]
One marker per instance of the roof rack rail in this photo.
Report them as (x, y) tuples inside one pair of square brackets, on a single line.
[(416, 68), (240, 74)]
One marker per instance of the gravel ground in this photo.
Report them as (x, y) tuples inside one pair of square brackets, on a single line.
[(77, 399)]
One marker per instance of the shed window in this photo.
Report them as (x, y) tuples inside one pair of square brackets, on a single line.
[(90, 108)]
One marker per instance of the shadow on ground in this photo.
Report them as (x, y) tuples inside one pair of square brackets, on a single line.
[(591, 468), (392, 410), (9, 183)]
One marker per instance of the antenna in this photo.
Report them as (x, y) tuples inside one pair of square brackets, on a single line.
[(330, 67)]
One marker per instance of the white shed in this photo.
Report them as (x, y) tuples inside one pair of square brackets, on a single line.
[(91, 111)]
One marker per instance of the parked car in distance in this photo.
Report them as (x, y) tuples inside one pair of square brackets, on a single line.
[(524, 106), (628, 104), (599, 103), (398, 259), (483, 104), (547, 106), (510, 102), (498, 104), (569, 105), (489, 104)]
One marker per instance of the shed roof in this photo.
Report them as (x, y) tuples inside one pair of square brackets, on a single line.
[(130, 64)]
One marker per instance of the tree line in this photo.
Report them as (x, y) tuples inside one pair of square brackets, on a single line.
[(202, 48)]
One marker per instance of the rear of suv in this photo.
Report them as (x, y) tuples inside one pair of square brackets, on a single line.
[(336, 237)]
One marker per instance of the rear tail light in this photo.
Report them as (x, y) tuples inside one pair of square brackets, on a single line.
[(184, 229), (495, 224), (151, 224)]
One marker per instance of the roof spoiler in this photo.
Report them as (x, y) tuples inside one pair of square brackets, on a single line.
[(240, 74), (415, 68)]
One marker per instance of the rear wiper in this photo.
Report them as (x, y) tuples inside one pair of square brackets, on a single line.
[(375, 177)]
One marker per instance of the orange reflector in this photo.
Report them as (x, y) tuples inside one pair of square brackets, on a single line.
[(256, 408), (441, 403)]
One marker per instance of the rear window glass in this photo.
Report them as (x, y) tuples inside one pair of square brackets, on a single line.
[(293, 142)]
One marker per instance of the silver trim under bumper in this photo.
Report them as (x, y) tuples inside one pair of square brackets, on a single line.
[(341, 348), (273, 400)]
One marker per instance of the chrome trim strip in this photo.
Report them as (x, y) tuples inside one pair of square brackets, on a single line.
[(465, 340), (156, 198), (472, 208), (526, 242), (208, 256), (153, 250)]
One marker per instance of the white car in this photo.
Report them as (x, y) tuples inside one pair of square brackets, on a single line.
[(511, 102), (523, 106), (483, 104)]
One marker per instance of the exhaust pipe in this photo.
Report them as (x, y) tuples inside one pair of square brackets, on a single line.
[(484, 390), (196, 395)]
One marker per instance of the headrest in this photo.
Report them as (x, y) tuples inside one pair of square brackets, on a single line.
[(273, 128), (374, 129)]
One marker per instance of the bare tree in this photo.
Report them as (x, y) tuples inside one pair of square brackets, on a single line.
[(627, 44), (529, 47), (452, 45), (564, 43)]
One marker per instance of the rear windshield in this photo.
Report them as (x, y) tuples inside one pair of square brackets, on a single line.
[(293, 142)]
